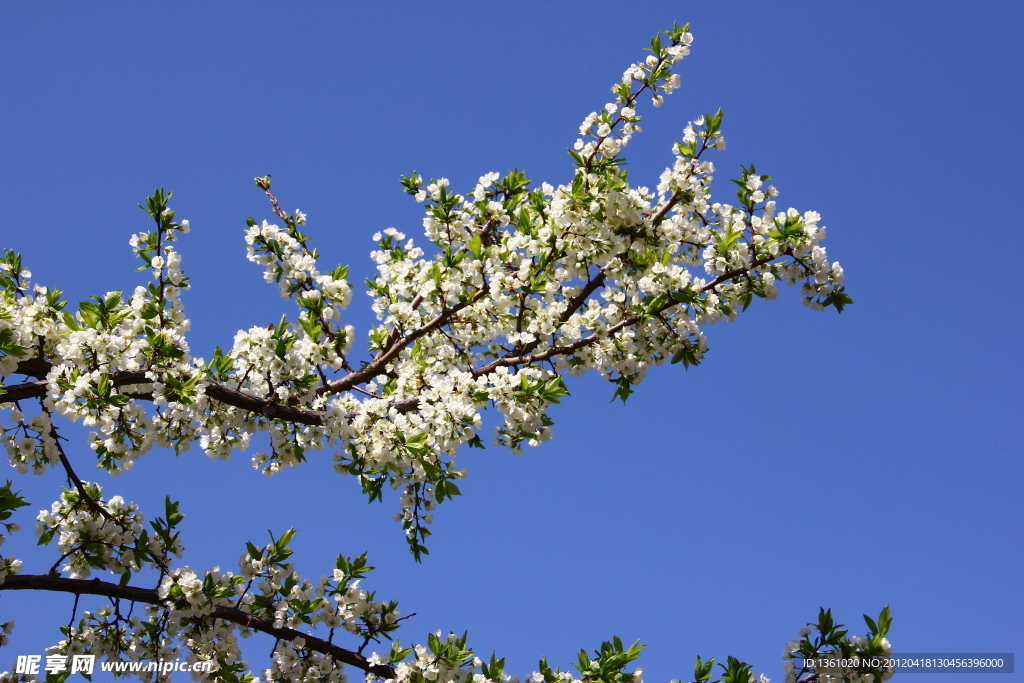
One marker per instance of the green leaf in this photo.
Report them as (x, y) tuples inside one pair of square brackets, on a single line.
[(172, 516), (70, 321), (58, 677), (884, 621), (838, 298), (736, 671), (702, 670), (624, 390), (10, 501), (554, 389), (286, 538)]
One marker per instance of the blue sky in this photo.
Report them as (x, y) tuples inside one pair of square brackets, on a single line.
[(813, 460)]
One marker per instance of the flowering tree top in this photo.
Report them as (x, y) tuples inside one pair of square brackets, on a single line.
[(519, 286)]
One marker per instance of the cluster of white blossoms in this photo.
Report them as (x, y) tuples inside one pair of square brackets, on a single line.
[(94, 534), (155, 636), (835, 657), (296, 664), (29, 443), (80, 356), (432, 665), (290, 264), (9, 566), (523, 286), (287, 263), (6, 629), (183, 611)]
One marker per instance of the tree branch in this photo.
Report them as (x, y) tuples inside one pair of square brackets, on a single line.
[(149, 596), (25, 390), (577, 301), (215, 390), (526, 359), (84, 496), (377, 365), (259, 406)]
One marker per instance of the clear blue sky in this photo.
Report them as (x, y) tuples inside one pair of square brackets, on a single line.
[(813, 460)]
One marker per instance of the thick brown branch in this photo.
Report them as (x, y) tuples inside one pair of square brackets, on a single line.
[(34, 367), (149, 596), (25, 390), (215, 390), (260, 406)]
